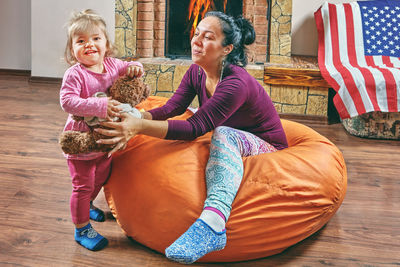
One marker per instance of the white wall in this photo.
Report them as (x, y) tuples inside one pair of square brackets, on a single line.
[(49, 33), (304, 31), (15, 40)]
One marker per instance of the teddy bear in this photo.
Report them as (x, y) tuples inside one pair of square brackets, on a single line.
[(127, 91)]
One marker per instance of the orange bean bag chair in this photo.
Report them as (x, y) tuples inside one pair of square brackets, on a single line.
[(157, 189)]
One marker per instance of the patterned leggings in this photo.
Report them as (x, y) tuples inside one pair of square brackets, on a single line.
[(224, 170)]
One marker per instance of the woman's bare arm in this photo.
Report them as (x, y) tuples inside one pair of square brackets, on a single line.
[(130, 126)]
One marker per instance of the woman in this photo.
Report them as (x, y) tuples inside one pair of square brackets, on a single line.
[(233, 104)]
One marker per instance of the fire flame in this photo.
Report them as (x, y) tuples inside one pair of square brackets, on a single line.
[(199, 8)]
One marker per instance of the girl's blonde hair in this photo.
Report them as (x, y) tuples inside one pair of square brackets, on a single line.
[(81, 22)]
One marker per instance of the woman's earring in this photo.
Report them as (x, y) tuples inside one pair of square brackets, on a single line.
[(222, 70)]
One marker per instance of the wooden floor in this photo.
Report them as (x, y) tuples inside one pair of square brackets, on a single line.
[(35, 224)]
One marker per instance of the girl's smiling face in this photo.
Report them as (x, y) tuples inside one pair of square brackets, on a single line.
[(89, 48), (206, 43)]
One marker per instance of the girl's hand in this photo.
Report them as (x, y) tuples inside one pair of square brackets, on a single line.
[(112, 109), (134, 71), (121, 132)]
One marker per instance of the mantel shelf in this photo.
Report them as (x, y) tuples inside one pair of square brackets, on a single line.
[(302, 71)]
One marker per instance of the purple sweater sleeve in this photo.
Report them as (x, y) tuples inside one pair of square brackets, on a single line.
[(228, 97)]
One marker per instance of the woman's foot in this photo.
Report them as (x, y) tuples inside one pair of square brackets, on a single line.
[(196, 242), (96, 214), (89, 238)]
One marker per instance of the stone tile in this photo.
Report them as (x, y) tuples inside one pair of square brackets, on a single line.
[(151, 68), (274, 42), (276, 11), (289, 95), (280, 59), (151, 80), (285, 19), (286, 6), (317, 105), (293, 109), (256, 73), (167, 68), (278, 107), (120, 46), (285, 45), (178, 75), (285, 28), (164, 82), (126, 3), (318, 91)]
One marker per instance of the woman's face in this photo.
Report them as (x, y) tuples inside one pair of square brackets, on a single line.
[(207, 49)]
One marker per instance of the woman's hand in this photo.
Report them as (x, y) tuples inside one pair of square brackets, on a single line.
[(134, 71), (121, 132), (112, 109)]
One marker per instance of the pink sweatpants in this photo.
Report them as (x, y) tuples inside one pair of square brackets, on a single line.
[(88, 176)]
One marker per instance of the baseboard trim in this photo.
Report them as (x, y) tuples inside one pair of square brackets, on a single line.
[(37, 79), (305, 118), (15, 72), (27, 73)]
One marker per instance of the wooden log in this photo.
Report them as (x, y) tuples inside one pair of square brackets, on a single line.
[(294, 76)]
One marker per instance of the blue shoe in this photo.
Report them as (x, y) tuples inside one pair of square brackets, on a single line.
[(96, 214), (196, 242), (89, 238)]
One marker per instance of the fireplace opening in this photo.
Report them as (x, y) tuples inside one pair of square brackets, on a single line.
[(183, 17)]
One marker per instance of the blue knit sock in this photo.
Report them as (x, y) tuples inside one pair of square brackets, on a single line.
[(196, 242), (89, 238), (96, 214)]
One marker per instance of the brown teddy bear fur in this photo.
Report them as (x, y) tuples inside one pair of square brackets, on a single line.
[(125, 90)]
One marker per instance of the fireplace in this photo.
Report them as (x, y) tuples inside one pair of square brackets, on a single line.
[(143, 30), (182, 18)]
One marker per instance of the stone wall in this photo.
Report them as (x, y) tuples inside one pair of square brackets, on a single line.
[(281, 26), (164, 76), (291, 99), (125, 28)]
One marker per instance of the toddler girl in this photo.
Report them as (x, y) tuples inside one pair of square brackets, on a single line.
[(92, 70)]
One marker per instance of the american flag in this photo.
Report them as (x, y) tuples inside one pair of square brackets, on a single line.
[(358, 55)]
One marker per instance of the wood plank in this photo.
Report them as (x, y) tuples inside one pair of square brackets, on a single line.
[(302, 71), (294, 76), (36, 228)]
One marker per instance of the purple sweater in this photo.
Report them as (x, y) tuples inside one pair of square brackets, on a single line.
[(239, 101)]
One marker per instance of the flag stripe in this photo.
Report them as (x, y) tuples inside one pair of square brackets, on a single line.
[(389, 84), (341, 108), (392, 78), (395, 62), (342, 99), (348, 90), (361, 74), (386, 61)]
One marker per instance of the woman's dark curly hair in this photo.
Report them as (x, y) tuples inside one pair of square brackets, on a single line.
[(237, 31)]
